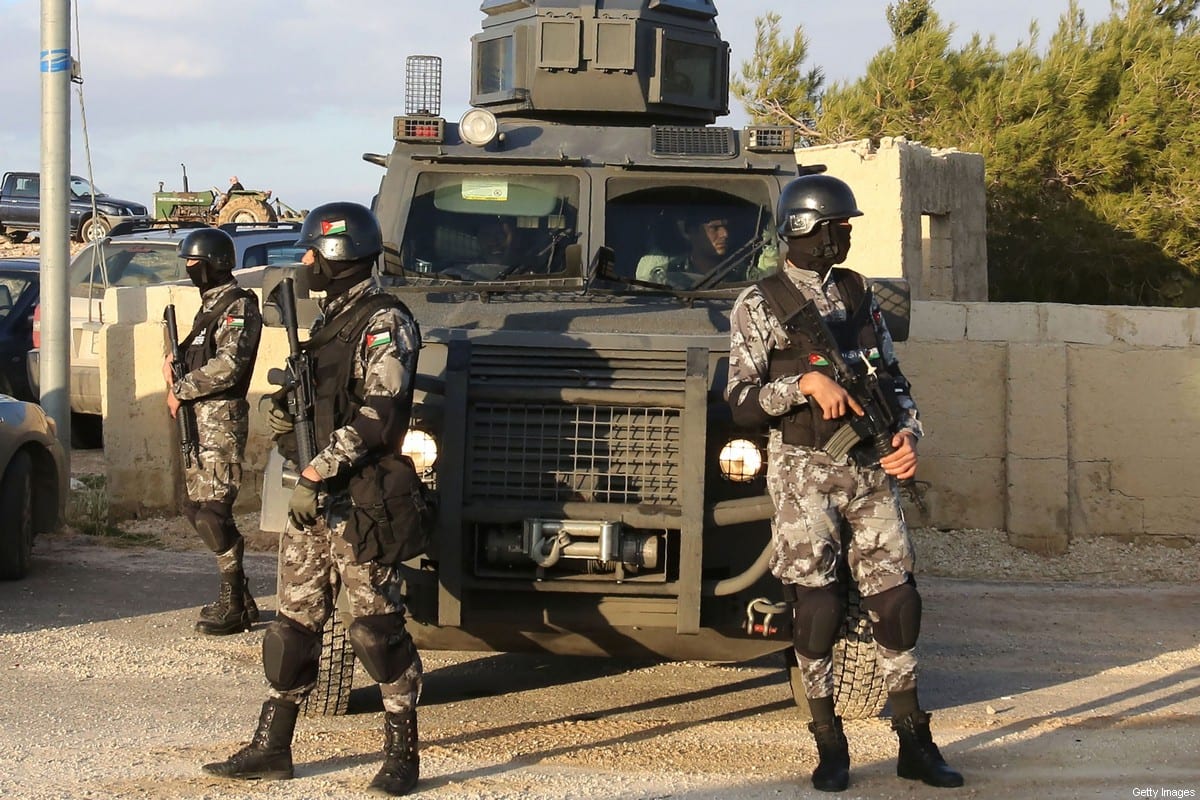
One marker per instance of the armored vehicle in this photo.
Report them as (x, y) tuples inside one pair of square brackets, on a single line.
[(572, 248)]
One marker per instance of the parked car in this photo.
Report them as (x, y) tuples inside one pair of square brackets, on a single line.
[(33, 482), (18, 298), (92, 213), (141, 256)]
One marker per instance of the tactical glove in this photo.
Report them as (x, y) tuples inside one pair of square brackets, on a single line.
[(280, 421), (302, 508)]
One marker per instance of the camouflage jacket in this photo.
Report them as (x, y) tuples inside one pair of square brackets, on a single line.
[(755, 333), (234, 352), (385, 362)]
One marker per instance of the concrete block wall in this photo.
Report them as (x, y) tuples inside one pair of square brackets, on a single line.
[(1047, 421), (1055, 421)]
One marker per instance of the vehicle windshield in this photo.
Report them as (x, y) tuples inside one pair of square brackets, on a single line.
[(11, 289), (690, 236), (81, 188), (100, 265), (479, 227)]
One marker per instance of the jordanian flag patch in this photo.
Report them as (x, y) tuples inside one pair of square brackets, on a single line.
[(235, 322), (817, 360), (378, 339), (331, 226)]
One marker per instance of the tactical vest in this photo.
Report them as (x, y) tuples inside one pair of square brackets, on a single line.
[(198, 353), (806, 426), (333, 350)]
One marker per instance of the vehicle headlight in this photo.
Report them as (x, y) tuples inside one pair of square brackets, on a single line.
[(421, 448), (741, 460)]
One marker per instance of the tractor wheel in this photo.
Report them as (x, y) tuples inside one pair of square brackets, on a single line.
[(246, 209)]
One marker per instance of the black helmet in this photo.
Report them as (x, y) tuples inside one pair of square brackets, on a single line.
[(212, 246), (809, 200), (342, 232)]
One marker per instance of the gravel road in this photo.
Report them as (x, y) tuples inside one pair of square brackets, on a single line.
[(1058, 689)]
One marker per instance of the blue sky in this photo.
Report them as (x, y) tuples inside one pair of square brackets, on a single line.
[(289, 95)]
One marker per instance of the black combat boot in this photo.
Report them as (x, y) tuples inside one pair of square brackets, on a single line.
[(229, 613), (920, 759), (213, 612), (269, 754), (401, 764), (833, 769)]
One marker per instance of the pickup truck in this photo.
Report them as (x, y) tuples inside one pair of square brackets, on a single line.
[(20, 208)]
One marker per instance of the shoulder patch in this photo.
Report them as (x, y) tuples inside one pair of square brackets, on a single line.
[(235, 322), (378, 339)]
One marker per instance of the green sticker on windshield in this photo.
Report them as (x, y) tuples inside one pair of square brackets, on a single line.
[(485, 189)]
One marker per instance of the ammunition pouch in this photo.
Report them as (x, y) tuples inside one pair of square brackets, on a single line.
[(393, 514)]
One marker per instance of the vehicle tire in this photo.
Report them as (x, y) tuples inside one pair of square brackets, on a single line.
[(246, 208), (93, 229), (335, 670), (858, 682), (16, 509), (335, 675)]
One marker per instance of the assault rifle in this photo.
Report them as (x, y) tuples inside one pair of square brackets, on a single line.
[(296, 378), (877, 423), (185, 417)]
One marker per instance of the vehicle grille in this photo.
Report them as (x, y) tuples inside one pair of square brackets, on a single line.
[(569, 368), (582, 453), (683, 140)]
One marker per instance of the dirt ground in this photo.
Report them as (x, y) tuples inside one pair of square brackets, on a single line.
[(1076, 676)]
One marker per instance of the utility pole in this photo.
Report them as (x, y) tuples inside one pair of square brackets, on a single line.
[(54, 231)]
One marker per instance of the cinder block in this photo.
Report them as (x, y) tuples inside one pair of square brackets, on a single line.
[(1038, 511), (1037, 401), (1004, 322)]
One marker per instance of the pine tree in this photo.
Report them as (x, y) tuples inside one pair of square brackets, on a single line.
[(772, 87), (1092, 148)]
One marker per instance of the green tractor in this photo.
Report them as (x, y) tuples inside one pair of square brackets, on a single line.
[(216, 208)]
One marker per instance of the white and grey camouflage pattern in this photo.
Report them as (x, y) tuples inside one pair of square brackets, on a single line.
[(813, 494)]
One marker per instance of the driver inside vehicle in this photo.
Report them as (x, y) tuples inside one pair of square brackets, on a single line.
[(497, 238), (704, 235)]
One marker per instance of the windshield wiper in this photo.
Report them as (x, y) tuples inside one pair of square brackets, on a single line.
[(727, 265)]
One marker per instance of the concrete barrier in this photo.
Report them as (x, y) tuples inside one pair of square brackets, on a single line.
[(1047, 421)]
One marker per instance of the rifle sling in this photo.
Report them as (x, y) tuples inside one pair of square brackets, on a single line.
[(207, 318)]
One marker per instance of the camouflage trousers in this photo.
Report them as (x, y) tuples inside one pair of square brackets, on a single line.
[(814, 497), (315, 563), (212, 480)]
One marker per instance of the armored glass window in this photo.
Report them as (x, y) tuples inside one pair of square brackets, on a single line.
[(478, 227), (494, 73), (679, 236)]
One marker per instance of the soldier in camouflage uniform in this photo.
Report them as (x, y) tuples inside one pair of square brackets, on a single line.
[(774, 378), (343, 240), (219, 354)]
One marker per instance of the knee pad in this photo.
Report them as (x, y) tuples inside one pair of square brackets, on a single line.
[(895, 616), (383, 645), (291, 654), (817, 618), (214, 523)]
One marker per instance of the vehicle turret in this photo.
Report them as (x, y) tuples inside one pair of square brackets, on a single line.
[(600, 61)]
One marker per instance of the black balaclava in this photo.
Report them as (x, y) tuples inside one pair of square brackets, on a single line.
[(204, 277), (335, 277), (818, 252)]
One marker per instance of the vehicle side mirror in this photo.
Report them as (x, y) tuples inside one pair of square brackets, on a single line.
[(272, 280), (895, 301)]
